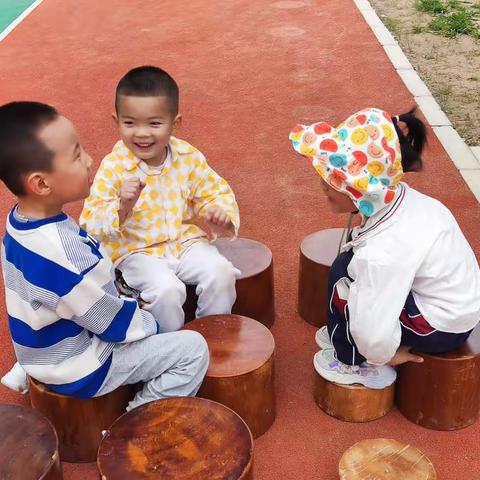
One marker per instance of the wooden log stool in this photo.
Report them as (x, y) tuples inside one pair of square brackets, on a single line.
[(79, 423), (28, 445), (241, 370), (384, 459), (317, 253), (255, 297), (352, 403), (443, 392), (177, 439)]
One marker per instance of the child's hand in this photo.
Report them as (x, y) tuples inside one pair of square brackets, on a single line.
[(215, 222), (129, 193), (403, 355)]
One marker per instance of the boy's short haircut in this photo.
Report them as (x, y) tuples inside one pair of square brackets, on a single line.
[(21, 152), (148, 81)]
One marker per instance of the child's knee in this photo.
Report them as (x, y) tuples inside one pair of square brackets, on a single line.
[(221, 273), (172, 294), (196, 345)]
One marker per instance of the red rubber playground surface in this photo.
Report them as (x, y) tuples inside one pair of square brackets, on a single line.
[(248, 71)]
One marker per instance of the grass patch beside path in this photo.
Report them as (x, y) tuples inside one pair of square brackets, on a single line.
[(451, 17)]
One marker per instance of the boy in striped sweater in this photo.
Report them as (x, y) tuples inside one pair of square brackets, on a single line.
[(70, 328)]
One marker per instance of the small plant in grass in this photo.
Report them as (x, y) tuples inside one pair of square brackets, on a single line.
[(391, 23), (432, 55), (454, 4), (453, 24), (444, 92), (451, 17), (417, 29), (430, 6)]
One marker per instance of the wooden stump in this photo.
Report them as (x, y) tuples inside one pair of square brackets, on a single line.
[(443, 392), (352, 403), (255, 297), (79, 423), (384, 459), (241, 371), (28, 445), (177, 439), (317, 253)]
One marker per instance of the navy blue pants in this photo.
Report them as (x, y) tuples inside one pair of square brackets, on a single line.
[(417, 333)]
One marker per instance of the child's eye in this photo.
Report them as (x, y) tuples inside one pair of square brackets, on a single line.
[(128, 123), (155, 124)]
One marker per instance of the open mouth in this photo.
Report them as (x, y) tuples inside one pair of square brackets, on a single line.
[(144, 145)]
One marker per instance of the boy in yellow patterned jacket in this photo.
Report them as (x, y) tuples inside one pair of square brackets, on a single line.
[(147, 197)]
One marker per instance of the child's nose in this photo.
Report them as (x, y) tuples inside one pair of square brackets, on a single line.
[(142, 132)]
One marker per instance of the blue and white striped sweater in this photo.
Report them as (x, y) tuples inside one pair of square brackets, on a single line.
[(64, 313)]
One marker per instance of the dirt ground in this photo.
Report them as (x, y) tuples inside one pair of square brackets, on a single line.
[(449, 66)]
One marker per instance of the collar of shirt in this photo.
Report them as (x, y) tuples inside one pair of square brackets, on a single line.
[(381, 220), (150, 170)]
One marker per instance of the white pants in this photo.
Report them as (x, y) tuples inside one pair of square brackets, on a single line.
[(169, 364), (161, 282)]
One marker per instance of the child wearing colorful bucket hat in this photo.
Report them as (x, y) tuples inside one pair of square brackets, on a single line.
[(406, 277)]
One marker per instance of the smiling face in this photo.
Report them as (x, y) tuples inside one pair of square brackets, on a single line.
[(145, 125)]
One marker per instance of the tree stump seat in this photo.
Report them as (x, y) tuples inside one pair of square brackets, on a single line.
[(385, 459), (352, 403), (79, 423), (241, 370), (317, 253), (177, 439), (443, 392), (255, 296), (28, 445)]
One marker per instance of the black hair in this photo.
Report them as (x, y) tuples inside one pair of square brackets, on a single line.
[(412, 144), (21, 151), (148, 81)]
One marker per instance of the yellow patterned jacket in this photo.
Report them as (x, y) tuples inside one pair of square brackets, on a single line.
[(159, 222)]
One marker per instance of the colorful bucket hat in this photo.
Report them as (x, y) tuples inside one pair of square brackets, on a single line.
[(361, 157)]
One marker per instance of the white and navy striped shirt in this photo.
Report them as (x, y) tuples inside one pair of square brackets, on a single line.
[(64, 312)]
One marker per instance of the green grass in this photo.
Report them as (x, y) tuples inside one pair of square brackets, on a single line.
[(430, 6), (455, 23), (454, 4), (450, 17)]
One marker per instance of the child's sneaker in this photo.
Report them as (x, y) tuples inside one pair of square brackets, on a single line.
[(322, 338), (16, 379), (371, 376)]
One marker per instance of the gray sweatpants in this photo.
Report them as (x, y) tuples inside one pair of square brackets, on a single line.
[(170, 365)]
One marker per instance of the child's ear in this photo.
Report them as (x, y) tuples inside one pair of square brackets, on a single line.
[(115, 117), (177, 121), (37, 184)]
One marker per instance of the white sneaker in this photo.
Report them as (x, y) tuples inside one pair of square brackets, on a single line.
[(16, 379), (322, 338), (371, 376)]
